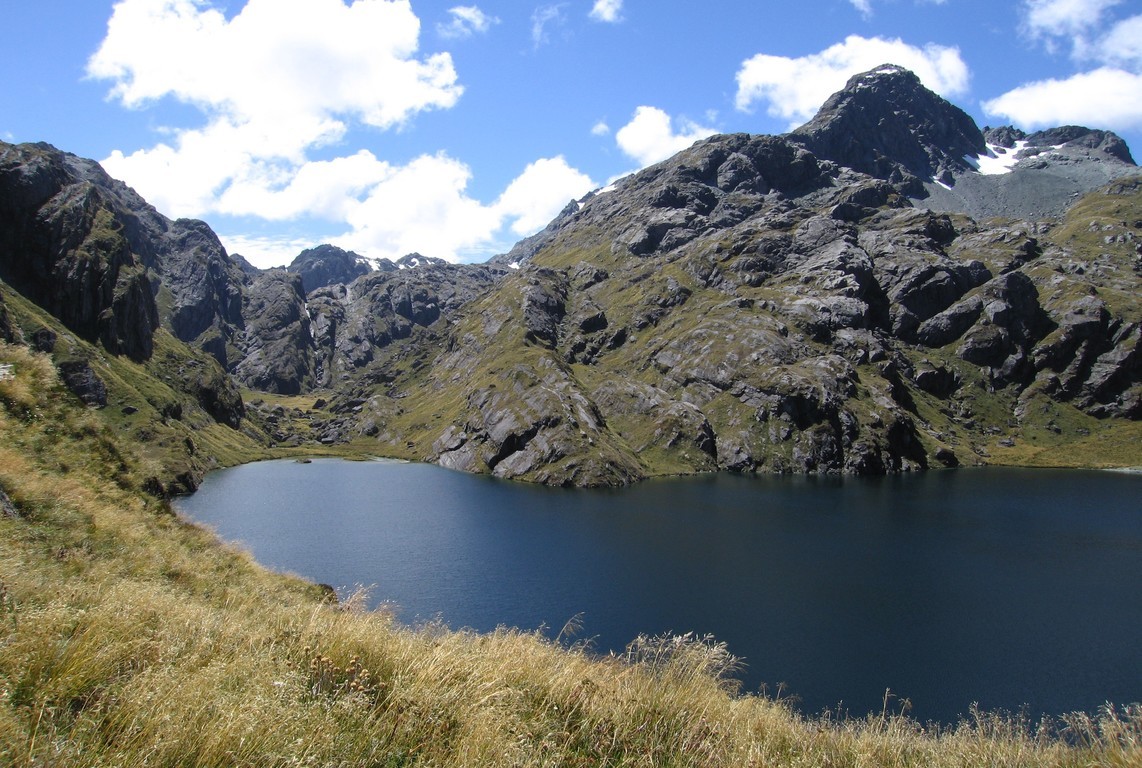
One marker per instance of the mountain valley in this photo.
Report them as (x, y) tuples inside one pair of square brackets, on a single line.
[(855, 296)]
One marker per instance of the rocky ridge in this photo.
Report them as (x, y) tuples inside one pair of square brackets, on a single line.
[(813, 302)]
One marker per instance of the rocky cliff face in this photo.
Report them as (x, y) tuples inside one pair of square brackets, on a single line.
[(95, 255), (92, 252), (822, 301), (62, 245)]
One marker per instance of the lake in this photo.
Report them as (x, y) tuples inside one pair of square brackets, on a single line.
[(1014, 589)]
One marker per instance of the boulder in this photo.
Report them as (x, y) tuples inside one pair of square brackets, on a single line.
[(78, 376)]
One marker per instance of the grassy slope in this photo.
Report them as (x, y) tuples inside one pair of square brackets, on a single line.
[(128, 638)]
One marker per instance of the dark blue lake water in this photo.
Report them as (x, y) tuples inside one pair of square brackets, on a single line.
[(1010, 588)]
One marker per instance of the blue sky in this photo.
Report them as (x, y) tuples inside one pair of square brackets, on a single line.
[(454, 129)]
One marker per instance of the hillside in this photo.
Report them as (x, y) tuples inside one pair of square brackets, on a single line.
[(129, 638), (789, 304)]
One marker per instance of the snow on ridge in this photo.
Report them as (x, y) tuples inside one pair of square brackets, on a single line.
[(998, 160)]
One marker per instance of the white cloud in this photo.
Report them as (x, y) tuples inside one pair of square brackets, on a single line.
[(265, 252), (540, 192), (424, 207), (421, 207), (1064, 17), (466, 21), (1123, 45), (541, 18), (324, 189), (601, 129), (794, 88), (650, 137), (359, 60), (268, 108), (1104, 98), (864, 7), (266, 105), (610, 11)]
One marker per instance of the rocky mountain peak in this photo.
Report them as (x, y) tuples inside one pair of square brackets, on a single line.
[(414, 260), (328, 265), (887, 124)]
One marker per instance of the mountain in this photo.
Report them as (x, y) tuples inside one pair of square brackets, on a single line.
[(886, 124), (865, 294)]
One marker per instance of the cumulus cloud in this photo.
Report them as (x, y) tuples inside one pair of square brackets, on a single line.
[(1123, 45), (359, 60), (650, 135), (540, 192), (601, 129), (425, 207), (1105, 97), (422, 206), (1064, 17), (794, 88), (265, 105), (466, 21), (610, 11), (270, 112)]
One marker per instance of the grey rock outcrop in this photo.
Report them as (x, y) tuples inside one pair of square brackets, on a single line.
[(279, 352), (65, 245), (78, 376), (327, 265)]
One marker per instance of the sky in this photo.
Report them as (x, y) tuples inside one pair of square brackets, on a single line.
[(453, 130)]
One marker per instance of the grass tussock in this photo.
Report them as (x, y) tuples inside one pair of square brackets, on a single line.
[(128, 638)]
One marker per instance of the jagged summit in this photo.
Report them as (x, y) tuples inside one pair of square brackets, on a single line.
[(887, 124), (328, 265), (414, 260)]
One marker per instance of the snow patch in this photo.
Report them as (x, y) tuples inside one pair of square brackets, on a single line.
[(513, 265), (998, 160)]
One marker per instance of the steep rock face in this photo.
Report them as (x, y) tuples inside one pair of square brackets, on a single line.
[(278, 354), (7, 332), (95, 255), (327, 265), (64, 245), (206, 290), (92, 252), (886, 124), (355, 327)]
